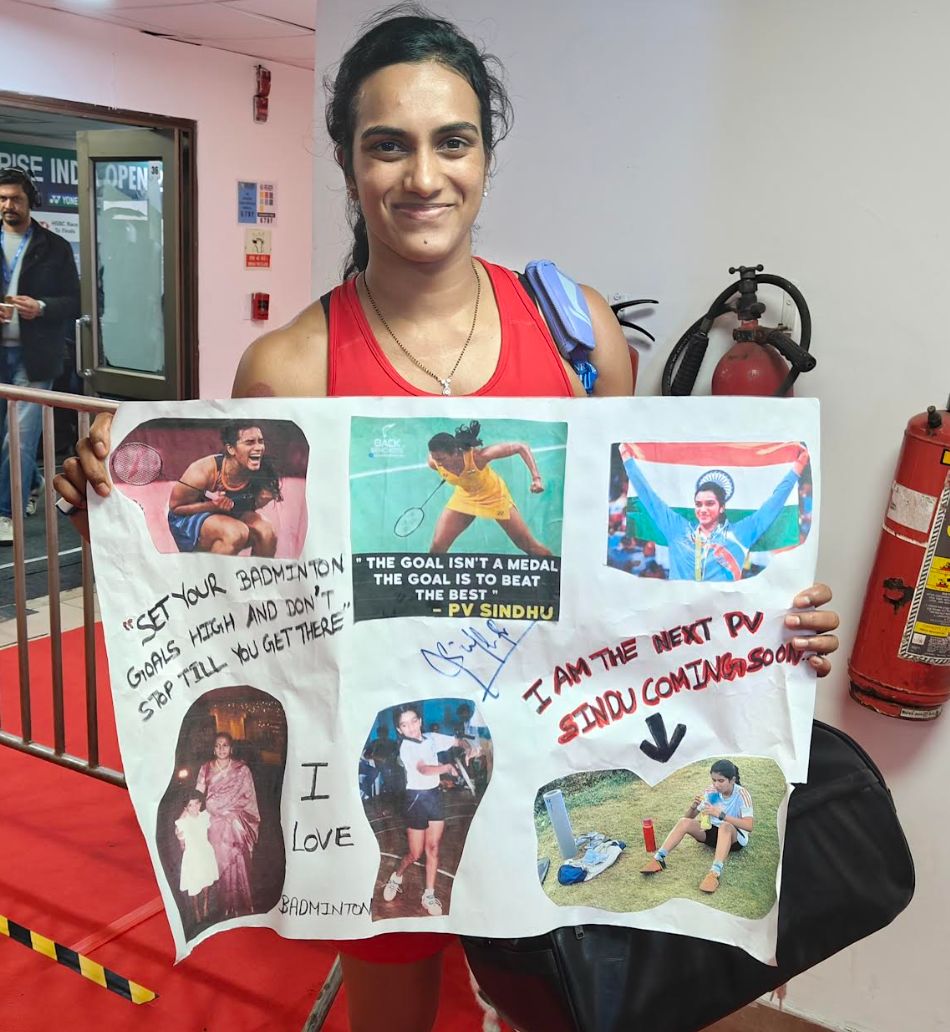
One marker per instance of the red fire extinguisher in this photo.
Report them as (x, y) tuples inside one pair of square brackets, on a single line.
[(763, 361), (900, 665)]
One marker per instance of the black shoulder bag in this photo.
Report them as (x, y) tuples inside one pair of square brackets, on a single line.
[(846, 872)]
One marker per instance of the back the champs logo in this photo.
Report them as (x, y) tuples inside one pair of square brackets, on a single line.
[(387, 445)]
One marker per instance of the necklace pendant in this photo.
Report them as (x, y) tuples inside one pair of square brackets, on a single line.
[(446, 385)]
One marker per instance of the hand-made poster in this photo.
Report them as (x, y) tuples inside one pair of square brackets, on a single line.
[(471, 665)]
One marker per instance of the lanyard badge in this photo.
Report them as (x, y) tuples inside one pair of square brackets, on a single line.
[(8, 270)]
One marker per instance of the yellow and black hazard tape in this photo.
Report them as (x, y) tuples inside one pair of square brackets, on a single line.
[(76, 962)]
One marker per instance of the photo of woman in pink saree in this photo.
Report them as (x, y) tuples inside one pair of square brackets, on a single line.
[(231, 802), (230, 756)]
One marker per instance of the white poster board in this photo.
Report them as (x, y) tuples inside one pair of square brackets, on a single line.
[(368, 633)]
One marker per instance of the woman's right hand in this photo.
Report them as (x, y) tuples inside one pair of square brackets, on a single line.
[(220, 500), (88, 467)]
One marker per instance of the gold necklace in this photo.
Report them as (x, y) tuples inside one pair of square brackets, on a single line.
[(445, 382)]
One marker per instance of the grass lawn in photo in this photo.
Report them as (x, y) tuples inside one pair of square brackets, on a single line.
[(615, 802)]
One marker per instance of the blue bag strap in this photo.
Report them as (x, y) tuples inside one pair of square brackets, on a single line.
[(567, 314)]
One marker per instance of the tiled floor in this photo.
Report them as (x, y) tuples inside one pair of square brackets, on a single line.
[(38, 616)]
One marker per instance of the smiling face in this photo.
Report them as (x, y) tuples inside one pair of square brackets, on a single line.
[(193, 807), (14, 207), (222, 748), (418, 161), (410, 725), (249, 449), (708, 509)]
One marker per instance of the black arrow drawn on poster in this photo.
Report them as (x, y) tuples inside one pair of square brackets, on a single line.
[(664, 748)]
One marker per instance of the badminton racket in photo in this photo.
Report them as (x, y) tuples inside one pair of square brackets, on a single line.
[(136, 463), (464, 774), (411, 520)]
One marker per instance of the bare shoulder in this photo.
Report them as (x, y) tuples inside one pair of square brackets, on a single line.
[(612, 353), (204, 470), (288, 362)]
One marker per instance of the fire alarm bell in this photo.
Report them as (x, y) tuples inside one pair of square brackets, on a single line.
[(260, 306), (263, 92)]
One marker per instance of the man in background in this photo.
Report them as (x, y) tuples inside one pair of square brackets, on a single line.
[(40, 301)]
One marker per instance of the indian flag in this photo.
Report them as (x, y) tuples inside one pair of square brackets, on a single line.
[(751, 471)]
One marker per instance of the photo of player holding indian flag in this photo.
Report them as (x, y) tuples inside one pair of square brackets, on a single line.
[(709, 511)]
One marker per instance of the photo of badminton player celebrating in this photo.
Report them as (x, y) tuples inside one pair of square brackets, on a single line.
[(462, 461), (713, 548), (214, 505), (420, 754)]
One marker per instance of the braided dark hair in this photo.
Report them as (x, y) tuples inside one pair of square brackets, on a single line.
[(727, 769), (407, 34), (467, 435), (465, 438)]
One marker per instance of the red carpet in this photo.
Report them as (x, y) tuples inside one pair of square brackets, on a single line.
[(73, 862)]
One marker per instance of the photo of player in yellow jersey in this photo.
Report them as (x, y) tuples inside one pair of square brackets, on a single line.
[(464, 462)]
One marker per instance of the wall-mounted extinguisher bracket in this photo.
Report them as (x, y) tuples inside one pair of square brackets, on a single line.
[(763, 361), (748, 306), (900, 665)]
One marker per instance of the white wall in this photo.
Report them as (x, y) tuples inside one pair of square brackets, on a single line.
[(60, 55), (674, 139)]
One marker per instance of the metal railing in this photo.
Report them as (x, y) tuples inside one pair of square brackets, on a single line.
[(56, 753), (24, 741)]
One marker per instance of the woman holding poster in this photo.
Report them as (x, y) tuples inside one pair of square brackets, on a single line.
[(415, 114), (712, 549)]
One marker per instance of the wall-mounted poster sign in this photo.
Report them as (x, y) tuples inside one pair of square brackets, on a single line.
[(256, 203), (266, 203), (56, 175), (247, 203), (434, 664), (257, 248), (52, 169)]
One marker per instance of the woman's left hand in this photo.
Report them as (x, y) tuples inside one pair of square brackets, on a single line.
[(537, 485), (819, 644)]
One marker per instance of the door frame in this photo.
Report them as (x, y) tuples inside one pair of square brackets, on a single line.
[(187, 243)]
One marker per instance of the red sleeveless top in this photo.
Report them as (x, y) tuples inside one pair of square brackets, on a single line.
[(529, 364)]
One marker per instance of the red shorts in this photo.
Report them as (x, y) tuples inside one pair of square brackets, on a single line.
[(395, 947)]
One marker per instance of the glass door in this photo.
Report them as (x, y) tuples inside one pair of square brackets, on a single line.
[(129, 339)]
